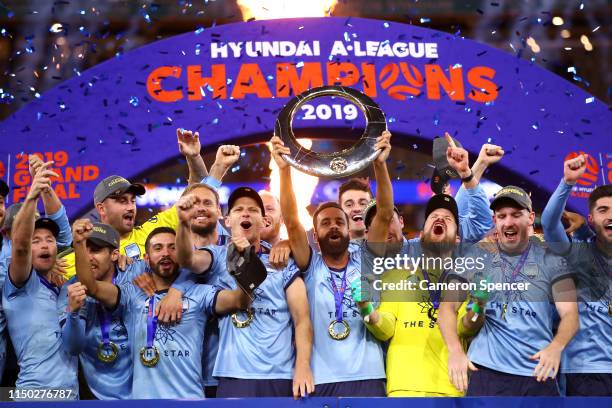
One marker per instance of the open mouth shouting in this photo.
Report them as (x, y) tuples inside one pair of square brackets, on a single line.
[(510, 235), (128, 218), (246, 225), (608, 226), (334, 236), (166, 263), (357, 218), (439, 228)]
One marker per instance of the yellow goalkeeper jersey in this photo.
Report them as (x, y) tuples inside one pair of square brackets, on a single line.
[(417, 358), (133, 245)]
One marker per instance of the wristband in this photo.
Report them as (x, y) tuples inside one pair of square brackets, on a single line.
[(211, 182), (365, 311), (476, 308), (468, 178)]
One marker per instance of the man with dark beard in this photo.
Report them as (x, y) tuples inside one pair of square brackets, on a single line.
[(407, 315), (587, 360), (167, 359), (204, 232), (347, 360), (115, 197)]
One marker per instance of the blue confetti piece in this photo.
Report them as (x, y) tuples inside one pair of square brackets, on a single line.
[(425, 20), (299, 64), (134, 101), (392, 119), (215, 121), (535, 126), (199, 31), (386, 25), (572, 70), (235, 169), (197, 49), (489, 140), (590, 100)]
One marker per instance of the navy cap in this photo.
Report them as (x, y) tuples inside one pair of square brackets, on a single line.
[(245, 192), (48, 224)]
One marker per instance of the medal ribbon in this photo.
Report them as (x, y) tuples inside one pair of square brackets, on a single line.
[(517, 269), (104, 317), (338, 294), (151, 322), (434, 295)]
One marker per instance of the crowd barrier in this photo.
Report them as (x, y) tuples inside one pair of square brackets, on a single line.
[(496, 402)]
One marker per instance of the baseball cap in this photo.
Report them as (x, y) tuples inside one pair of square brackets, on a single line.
[(245, 192), (370, 212), (438, 181), (440, 146), (48, 224), (11, 213), (103, 235), (115, 185), (442, 201), (4, 188), (514, 194)]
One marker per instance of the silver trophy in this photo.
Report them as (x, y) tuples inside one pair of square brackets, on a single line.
[(338, 164)]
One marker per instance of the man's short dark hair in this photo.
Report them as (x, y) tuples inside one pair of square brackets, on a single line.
[(157, 231), (599, 192), (323, 206), (195, 186), (354, 184)]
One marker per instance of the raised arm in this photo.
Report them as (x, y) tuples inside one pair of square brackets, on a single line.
[(70, 302), (379, 228), (23, 227), (53, 206), (106, 293), (475, 216), (298, 240), (196, 261), (554, 232), (189, 146), (226, 157)]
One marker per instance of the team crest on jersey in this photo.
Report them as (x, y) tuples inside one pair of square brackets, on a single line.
[(164, 333), (132, 251)]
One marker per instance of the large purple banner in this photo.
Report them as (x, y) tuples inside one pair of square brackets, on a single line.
[(229, 82)]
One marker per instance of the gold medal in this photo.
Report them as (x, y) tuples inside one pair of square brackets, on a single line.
[(241, 324), (331, 329), (107, 353), (149, 356)]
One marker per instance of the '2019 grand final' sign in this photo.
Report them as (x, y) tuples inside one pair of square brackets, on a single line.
[(229, 82)]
